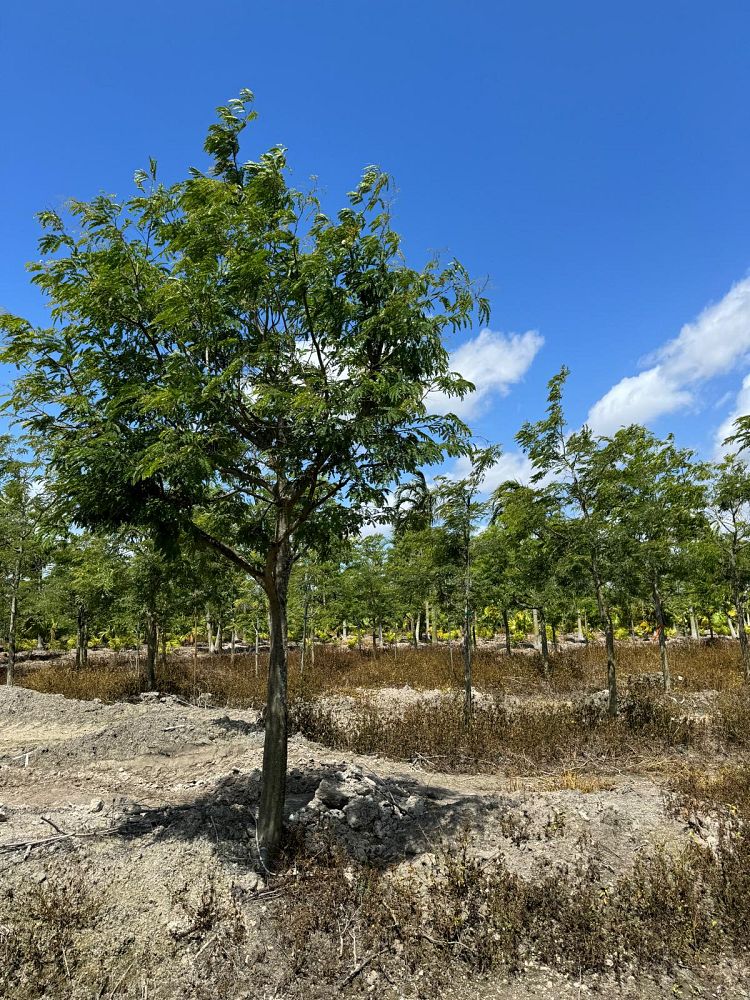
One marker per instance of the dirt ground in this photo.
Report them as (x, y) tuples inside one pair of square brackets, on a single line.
[(153, 800)]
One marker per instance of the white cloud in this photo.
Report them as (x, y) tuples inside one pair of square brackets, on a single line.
[(637, 399), (740, 409), (493, 362), (717, 341), (511, 465)]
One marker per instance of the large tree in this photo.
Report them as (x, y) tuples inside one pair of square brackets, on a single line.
[(228, 361)]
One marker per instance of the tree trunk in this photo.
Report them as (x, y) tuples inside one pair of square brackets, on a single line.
[(138, 650), (233, 647), (694, 633), (659, 609), (609, 639), (466, 650), (195, 658), (304, 637), (209, 635), (257, 645), (219, 640), (535, 627), (273, 782), (151, 650), (742, 634), (417, 626), (82, 637), (40, 641), (732, 630), (580, 628), (506, 626), (554, 636), (543, 641), (13, 625)]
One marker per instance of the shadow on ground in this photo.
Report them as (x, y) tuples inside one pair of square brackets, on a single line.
[(226, 816)]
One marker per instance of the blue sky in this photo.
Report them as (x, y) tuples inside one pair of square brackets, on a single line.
[(589, 159)]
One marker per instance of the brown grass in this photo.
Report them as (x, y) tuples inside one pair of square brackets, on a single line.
[(111, 677)]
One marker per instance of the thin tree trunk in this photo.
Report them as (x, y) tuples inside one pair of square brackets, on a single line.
[(13, 625), (535, 627), (506, 626), (195, 658), (543, 642), (138, 650), (466, 650), (427, 622), (694, 633), (659, 609), (82, 637), (732, 630), (580, 628), (233, 646), (554, 635), (741, 633), (609, 639), (151, 650), (273, 781), (219, 640), (257, 644), (304, 637), (417, 626), (209, 635)]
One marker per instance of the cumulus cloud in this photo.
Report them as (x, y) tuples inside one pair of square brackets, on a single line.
[(511, 465), (711, 345), (740, 409), (493, 362)]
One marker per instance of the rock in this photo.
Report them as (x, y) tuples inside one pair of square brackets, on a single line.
[(149, 696), (96, 805), (331, 794), (4, 817), (415, 805), (361, 812)]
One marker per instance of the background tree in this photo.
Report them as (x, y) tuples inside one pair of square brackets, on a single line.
[(573, 460), (657, 503), (460, 509), (729, 510)]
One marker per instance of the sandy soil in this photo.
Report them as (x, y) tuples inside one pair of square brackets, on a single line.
[(152, 798)]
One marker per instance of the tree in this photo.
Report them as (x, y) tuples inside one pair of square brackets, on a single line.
[(534, 530), (460, 510), (656, 502), (21, 537), (229, 362), (574, 461), (729, 510)]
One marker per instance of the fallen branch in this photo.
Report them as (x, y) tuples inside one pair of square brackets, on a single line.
[(360, 968), (46, 819)]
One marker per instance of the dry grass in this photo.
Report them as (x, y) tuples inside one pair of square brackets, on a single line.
[(467, 913), (111, 677)]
